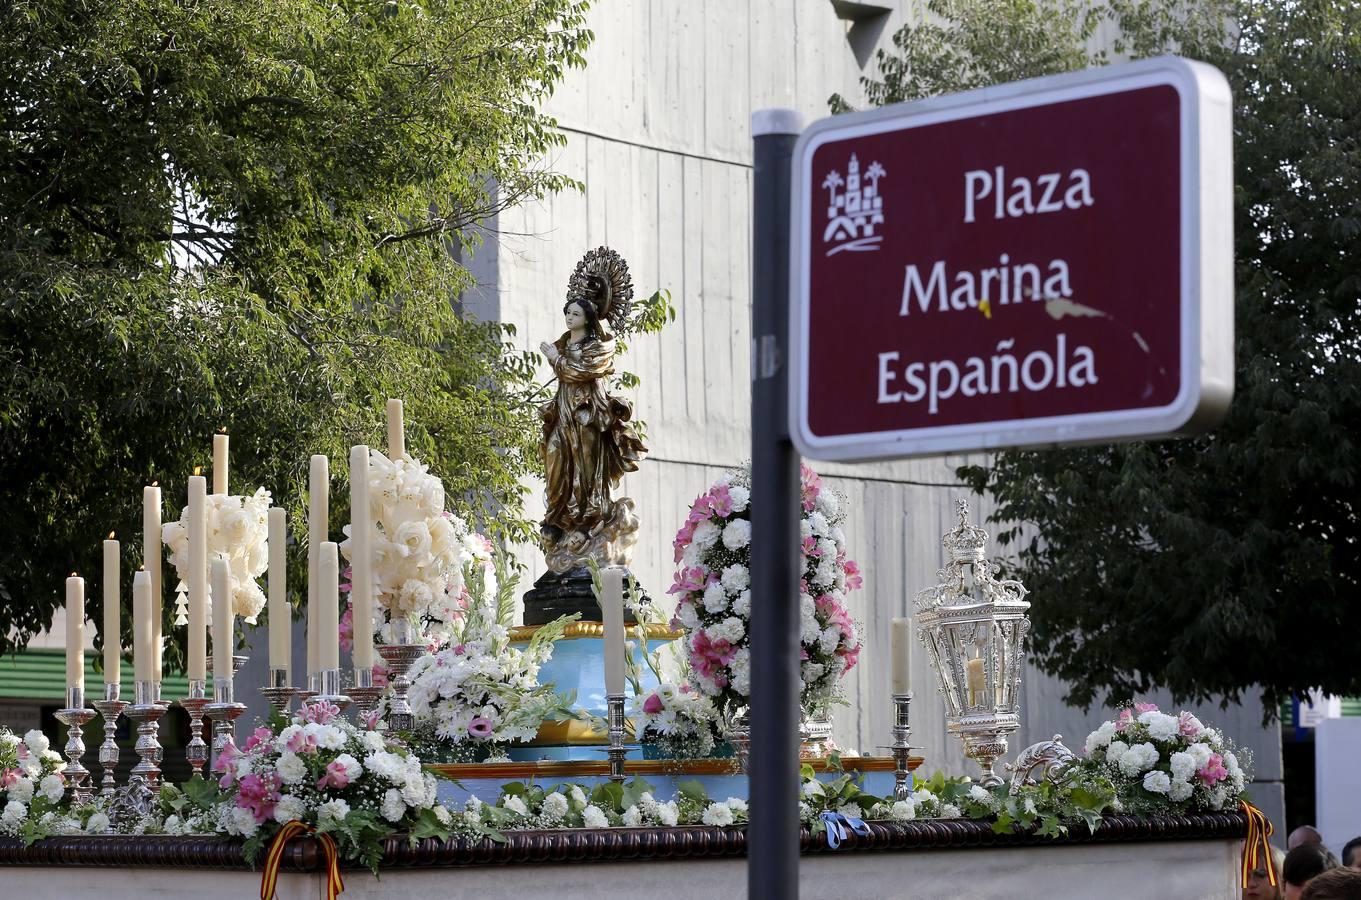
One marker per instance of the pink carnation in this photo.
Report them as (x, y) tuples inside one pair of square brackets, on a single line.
[(1188, 726)]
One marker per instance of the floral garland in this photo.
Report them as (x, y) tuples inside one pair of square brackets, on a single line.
[(238, 531), (713, 550), (32, 787)]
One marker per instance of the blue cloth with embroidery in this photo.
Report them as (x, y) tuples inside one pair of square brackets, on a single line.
[(840, 826)]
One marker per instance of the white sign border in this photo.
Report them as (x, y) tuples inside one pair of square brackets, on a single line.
[(1206, 273)]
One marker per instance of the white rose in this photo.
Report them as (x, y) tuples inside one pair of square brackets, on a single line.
[(516, 805), (594, 817), (717, 814), (737, 534), (233, 526), (413, 539), (1157, 782)]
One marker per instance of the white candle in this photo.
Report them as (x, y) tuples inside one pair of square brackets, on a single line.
[(280, 619), (977, 682), (220, 445), (113, 648), (902, 656), (612, 604), (328, 608), (361, 560), (151, 561), (318, 503), (197, 582), (396, 431), (75, 631), (224, 623), (141, 626)]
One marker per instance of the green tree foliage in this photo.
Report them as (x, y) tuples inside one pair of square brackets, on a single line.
[(1227, 562), (250, 214)]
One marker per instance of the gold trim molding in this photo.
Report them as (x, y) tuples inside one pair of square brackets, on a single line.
[(521, 634)]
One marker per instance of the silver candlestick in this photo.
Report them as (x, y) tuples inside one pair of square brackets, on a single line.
[(400, 656), (365, 694), (74, 717), (313, 688), (279, 692), (223, 713), (902, 746), (147, 713), (615, 711), (196, 751), (110, 708), (330, 689)]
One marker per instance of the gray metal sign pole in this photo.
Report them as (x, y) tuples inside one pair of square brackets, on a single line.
[(773, 834)]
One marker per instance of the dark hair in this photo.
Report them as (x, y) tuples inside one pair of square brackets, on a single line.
[(1336, 884), (1305, 862), (592, 317), (1347, 848)]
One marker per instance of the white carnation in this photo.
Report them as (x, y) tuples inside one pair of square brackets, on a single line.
[(737, 534), (1101, 737), (737, 804), (333, 809), (1183, 766), (717, 814), (98, 824), (554, 807), (289, 809), (904, 810), (715, 598), (949, 811), (668, 813), (706, 533), (22, 790), (52, 788), (742, 605), (1161, 726), (1157, 782), (740, 497), (633, 817), (736, 578), (1179, 790), (594, 817), (36, 741), (291, 768)]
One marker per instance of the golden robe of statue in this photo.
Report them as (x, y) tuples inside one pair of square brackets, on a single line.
[(588, 444)]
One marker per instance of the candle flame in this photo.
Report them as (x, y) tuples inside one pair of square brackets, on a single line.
[(155, 484), (222, 429), (141, 568), (198, 470), (73, 574), (110, 535)]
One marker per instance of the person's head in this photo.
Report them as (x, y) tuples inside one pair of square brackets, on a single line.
[(1351, 853), (1342, 883), (1305, 862), (1305, 834), (1259, 886), (581, 314)]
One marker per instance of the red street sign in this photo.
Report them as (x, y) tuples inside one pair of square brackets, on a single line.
[(1046, 262)]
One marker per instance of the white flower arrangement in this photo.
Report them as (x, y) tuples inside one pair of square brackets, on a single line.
[(238, 531), (480, 690), (678, 718), (32, 787), (713, 589), (1154, 759), (419, 549)]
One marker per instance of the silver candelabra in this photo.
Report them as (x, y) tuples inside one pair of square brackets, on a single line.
[(279, 692), (365, 694), (147, 713), (400, 656), (110, 708), (196, 751), (74, 716), (902, 745), (615, 712), (223, 713), (330, 689)]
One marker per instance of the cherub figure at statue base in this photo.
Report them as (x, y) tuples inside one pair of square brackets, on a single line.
[(588, 444)]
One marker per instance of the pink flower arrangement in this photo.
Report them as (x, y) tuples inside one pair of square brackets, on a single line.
[(259, 794), (713, 598)]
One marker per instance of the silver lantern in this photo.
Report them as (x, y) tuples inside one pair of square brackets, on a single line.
[(973, 627)]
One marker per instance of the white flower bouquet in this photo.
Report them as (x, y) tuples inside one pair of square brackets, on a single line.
[(238, 531), (1159, 762), (677, 718), (713, 588), (320, 770), (31, 788), (419, 549), (481, 691)]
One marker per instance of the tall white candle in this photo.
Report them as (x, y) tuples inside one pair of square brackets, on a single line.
[(612, 604), (280, 618), (75, 631), (151, 561), (902, 656), (396, 430), (197, 582), (361, 559), (328, 608), (318, 504), (141, 626), (976, 680), (113, 647), (220, 445), (224, 623)]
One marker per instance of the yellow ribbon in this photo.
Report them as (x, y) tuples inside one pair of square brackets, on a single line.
[(1257, 848), (334, 883)]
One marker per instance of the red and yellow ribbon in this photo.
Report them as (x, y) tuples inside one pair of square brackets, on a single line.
[(1256, 849), (334, 883)]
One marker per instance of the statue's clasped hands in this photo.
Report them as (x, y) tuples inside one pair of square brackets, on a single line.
[(549, 350)]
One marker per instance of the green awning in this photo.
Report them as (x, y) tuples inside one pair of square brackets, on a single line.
[(40, 675)]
